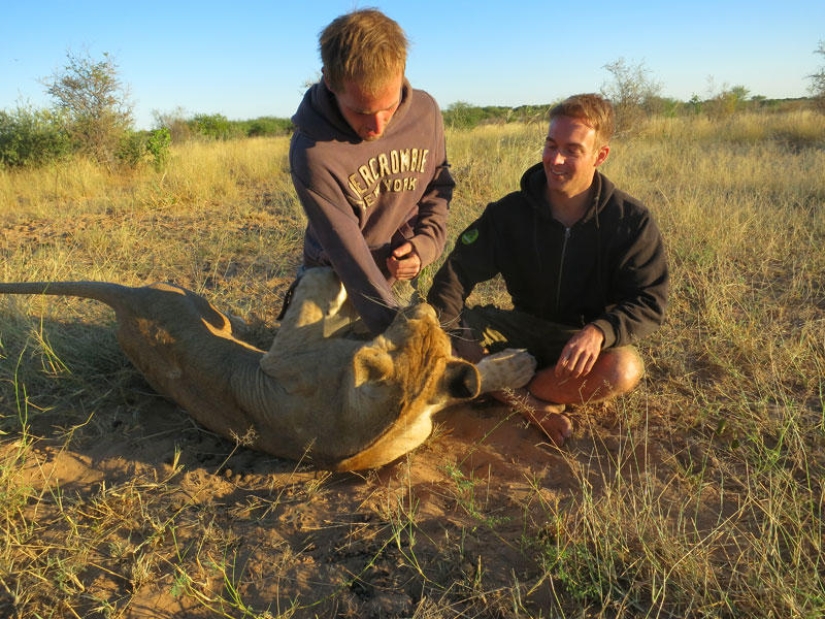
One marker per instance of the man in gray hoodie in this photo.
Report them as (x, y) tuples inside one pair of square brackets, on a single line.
[(583, 262), (369, 164)]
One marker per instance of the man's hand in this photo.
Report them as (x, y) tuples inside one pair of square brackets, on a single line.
[(404, 263), (580, 353)]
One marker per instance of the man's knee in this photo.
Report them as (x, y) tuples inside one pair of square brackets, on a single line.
[(627, 368)]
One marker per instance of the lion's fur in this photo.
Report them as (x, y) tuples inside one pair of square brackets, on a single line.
[(338, 403)]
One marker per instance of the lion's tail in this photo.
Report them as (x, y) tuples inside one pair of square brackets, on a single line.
[(113, 295)]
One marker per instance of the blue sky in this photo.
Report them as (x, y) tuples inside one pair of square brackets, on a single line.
[(250, 59)]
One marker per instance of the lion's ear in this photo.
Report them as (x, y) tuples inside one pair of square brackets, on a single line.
[(371, 365)]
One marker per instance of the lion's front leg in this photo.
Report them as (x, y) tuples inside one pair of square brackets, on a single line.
[(314, 309), (509, 369), (318, 296)]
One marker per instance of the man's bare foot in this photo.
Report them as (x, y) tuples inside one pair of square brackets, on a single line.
[(553, 424), (546, 416)]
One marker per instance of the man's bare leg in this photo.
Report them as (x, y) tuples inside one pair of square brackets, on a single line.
[(542, 402), (617, 371), (544, 415)]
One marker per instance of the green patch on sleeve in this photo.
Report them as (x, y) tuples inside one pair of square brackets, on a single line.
[(470, 236)]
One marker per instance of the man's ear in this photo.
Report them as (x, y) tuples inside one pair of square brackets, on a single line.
[(601, 157), (325, 77)]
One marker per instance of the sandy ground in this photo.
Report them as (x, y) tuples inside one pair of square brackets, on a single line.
[(459, 508), (177, 519)]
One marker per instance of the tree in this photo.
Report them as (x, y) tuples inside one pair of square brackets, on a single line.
[(724, 102), (818, 80), (630, 92), (462, 115), (93, 103)]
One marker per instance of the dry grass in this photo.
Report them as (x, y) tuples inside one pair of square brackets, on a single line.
[(699, 495)]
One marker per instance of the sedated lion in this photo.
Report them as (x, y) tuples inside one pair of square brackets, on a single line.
[(339, 403)]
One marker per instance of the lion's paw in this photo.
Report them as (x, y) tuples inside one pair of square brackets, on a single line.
[(509, 369)]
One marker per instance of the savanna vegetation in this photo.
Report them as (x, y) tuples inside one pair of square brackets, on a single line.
[(698, 495), (92, 114)]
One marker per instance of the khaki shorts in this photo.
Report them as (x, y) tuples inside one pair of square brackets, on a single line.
[(497, 329)]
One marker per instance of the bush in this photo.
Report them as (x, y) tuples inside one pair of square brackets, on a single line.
[(267, 126), (213, 126), (31, 137), (461, 115), (159, 145), (132, 148), (138, 146)]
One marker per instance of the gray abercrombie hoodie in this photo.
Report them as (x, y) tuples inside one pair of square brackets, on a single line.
[(364, 198)]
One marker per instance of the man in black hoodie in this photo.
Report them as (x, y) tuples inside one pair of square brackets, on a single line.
[(583, 262), (369, 164)]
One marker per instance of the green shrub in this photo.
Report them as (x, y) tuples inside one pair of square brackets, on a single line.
[(213, 126), (159, 145), (267, 126), (132, 148), (31, 138), (138, 146)]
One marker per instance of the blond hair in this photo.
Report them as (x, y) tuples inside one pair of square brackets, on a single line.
[(365, 47), (593, 110)]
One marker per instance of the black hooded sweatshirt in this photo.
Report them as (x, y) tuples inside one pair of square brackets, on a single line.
[(363, 198), (608, 269)]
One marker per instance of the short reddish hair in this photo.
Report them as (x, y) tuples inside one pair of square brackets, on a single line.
[(365, 47), (592, 109)]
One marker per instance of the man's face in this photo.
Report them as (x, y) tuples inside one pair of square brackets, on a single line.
[(369, 114), (571, 156)]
